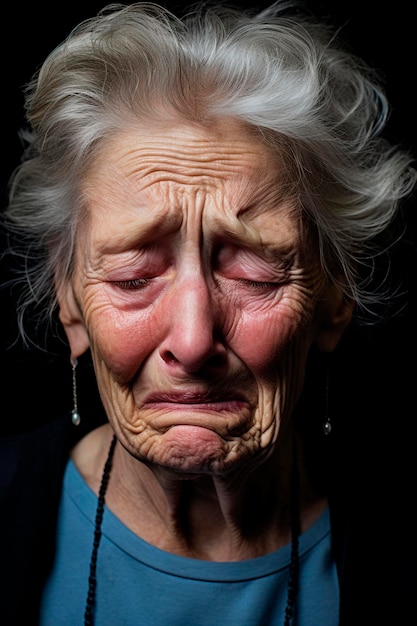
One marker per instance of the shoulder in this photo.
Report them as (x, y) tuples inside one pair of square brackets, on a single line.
[(32, 466)]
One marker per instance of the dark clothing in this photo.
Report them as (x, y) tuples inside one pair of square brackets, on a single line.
[(373, 549)]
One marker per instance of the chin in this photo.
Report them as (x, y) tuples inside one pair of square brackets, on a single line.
[(193, 450)]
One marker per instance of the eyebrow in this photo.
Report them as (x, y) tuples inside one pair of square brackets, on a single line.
[(278, 199), (282, 250), (161, 224)]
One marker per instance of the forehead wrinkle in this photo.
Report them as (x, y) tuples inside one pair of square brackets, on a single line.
[(181, 189), (234, 176), (183, 153), (150, 167)]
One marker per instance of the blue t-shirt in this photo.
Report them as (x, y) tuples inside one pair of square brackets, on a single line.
[(140, 585)]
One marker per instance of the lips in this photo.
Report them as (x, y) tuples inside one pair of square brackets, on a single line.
[(225, 412), (198, 399)]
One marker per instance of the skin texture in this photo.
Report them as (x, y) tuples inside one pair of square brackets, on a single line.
[(199, 294)]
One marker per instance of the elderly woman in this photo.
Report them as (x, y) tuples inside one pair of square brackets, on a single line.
[(200, 200)]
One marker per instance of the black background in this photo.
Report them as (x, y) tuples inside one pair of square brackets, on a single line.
[(377, 370)]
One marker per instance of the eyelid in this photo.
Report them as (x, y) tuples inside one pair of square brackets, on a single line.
[(261, 283), (132, 284)]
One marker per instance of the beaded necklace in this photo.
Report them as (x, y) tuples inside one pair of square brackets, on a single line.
[(295, 531)]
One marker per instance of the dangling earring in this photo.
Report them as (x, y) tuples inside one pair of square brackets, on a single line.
[(327, 424), (75, 416)]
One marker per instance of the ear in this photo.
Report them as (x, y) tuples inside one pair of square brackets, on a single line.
[(336, 316), (72, 320)]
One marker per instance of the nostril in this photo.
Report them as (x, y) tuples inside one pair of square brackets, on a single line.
[(193, 363), (168, 357)]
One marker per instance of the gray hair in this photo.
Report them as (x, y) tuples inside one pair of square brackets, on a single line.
[(278, 70)]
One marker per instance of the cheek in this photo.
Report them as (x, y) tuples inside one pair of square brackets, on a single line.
[(123, 342), (275, 350), (263, 341)]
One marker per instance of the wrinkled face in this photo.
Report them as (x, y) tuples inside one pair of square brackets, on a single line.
[(197, 292)]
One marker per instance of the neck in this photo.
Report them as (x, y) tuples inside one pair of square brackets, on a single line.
[(295, 531), (210, 517)]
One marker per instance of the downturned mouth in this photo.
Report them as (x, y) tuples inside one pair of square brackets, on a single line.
[(193, 398)]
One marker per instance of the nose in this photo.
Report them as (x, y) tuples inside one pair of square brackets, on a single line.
[(193, 341)]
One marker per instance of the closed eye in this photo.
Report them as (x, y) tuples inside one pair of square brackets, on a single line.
[(259, 284), (136, 283)]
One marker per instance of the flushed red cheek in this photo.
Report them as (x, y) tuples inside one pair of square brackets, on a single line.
[(125, 348), (263, 344)]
